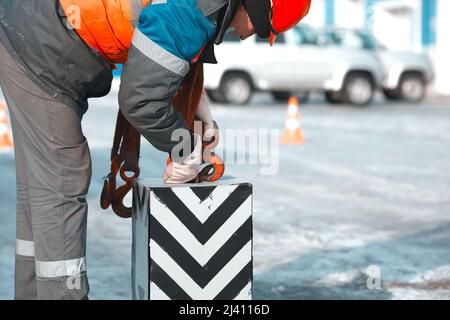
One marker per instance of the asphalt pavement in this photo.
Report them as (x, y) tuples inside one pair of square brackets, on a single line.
[(361, 211)]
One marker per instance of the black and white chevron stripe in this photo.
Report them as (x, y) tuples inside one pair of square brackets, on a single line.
[(201, 243)]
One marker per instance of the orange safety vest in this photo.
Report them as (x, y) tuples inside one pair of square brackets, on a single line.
[(105, 25)]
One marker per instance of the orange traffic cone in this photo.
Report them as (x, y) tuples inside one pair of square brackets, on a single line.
[(293, 132), (6, 142)]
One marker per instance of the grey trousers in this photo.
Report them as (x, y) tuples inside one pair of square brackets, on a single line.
[(53, 167)]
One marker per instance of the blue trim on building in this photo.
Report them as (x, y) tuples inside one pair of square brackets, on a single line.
[(428, 22), (330, 18), (369, 12)]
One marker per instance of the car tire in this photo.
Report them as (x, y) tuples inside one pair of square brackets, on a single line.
[(333, 97), (236, 88), (412, 88), (359, 89), (215, 96)]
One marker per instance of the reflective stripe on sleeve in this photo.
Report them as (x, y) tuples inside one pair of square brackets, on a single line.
[(159, 55)]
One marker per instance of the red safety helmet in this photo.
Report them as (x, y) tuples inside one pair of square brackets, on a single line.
[(286, 14), (269, 17)]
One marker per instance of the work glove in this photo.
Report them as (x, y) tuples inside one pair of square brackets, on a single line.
[(188, 169)]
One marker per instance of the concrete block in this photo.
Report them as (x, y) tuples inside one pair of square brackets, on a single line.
[(192, 241)]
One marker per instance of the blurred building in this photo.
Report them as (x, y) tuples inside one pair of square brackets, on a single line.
[(412, 25)]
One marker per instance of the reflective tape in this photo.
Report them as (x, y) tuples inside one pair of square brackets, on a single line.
[(136, 9), (137, 6), (62, 268), (159, 55), (24, 248)]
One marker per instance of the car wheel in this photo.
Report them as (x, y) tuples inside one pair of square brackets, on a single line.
[(392, 95), (236, 88), (412, 88), (359, 89), (333, 97), (215, 96)]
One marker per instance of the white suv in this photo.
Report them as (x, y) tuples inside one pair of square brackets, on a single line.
[(299, 62), (408, 74)]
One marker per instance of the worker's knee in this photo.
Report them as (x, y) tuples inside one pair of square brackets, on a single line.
[(76, 170)]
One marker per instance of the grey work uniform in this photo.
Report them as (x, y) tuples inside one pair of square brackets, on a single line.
[(47, 73)]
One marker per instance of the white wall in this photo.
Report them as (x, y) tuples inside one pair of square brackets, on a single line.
[(397, 24), (316, 16), (442, 53), (350, 13)]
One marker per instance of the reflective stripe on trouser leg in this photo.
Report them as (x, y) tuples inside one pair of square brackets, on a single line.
[(70, 274), (63, 268), (25, 248), (58, 170)]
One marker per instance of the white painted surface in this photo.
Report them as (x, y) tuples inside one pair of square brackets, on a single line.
[(443, 48)]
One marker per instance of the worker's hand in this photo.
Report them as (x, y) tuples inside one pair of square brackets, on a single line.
[(187, 170)]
